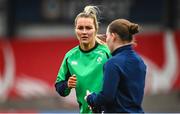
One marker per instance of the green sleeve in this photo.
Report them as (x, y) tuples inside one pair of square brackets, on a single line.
[(62, 71), (63, 76)]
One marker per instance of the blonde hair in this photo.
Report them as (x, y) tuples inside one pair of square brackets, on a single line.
[(91, 12)]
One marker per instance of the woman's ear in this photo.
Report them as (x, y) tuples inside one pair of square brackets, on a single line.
[(114, 36)]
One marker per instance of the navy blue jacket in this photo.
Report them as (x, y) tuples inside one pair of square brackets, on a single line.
[(124, 81)]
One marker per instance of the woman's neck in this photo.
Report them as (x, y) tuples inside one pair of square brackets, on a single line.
[(121, 45), (87, 47)]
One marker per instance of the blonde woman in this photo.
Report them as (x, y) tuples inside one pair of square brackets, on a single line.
[(82, 67)]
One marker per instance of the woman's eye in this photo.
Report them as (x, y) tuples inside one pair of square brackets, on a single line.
[(80, 28), (88, 28)]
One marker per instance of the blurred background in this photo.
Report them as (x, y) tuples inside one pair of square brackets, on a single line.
[(35, 35)]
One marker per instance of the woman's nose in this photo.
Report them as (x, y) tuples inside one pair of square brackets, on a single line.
[(84, 30)]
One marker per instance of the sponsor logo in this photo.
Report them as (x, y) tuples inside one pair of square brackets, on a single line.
[(74, 63)]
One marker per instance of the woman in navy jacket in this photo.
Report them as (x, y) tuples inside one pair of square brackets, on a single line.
[(124, 73)]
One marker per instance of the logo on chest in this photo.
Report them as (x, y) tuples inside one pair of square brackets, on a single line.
[(99, 60), (74, 62)]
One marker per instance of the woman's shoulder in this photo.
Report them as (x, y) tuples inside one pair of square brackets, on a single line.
[(104, 47), (72, 51)]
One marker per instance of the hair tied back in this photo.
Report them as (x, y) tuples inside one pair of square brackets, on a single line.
[(133, 28)]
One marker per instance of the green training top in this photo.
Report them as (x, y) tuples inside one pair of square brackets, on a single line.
[(88, 68)]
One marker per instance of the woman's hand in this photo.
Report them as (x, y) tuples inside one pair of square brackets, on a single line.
[(72, 81), (87, 93)]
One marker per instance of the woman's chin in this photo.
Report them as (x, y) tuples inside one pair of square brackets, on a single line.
[(84, 42)]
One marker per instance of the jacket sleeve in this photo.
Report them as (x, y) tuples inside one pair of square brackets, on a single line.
[(62, 88), (62, 78), (110, 85)]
